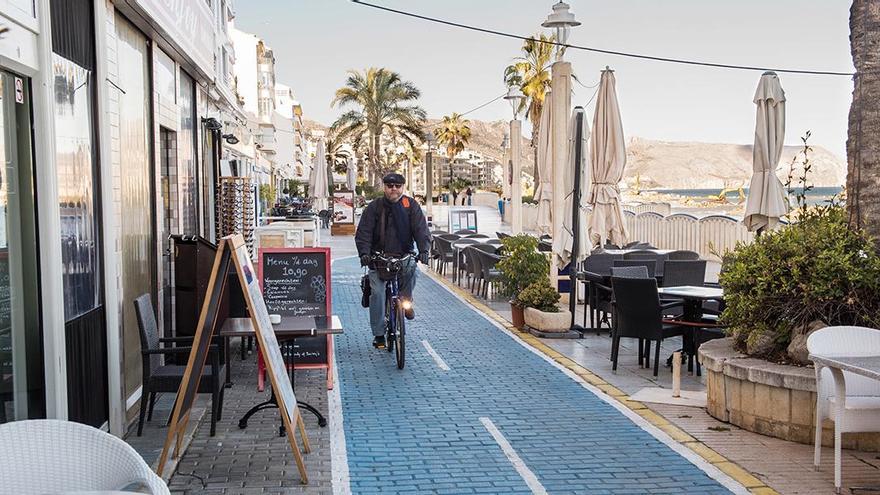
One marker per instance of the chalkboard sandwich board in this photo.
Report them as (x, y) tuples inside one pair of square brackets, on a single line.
[(232, 251), (296, 282)]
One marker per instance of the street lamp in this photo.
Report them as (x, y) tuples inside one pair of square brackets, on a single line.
[(429, 174), (515, 97), (563, 20)]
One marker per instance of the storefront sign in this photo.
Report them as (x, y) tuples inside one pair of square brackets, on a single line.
[(188, 24)]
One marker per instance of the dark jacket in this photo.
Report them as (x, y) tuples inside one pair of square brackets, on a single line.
[(368, 240)]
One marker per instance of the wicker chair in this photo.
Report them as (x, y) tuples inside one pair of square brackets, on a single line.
[(53, 456)]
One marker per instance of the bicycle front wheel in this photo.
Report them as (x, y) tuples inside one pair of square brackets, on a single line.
[(400, 339)]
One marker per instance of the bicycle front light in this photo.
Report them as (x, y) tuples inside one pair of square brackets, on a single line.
[(407, 304)]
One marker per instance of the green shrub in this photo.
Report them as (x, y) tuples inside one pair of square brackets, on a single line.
[(819, 268), (541, 296), (522, 266)]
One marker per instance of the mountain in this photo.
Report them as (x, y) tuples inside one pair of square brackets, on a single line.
[(686, 165), (669, 165)]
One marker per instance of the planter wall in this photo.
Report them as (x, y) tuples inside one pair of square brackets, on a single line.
[(547, 322), (767, 398)]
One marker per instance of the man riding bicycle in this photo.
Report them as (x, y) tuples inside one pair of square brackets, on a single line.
[(393, 225)]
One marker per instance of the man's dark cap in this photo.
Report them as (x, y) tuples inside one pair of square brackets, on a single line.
[(393, 178)]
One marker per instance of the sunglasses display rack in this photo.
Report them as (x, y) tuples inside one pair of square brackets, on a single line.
[(235, 209)]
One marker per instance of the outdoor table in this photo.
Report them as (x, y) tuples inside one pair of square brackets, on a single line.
[(286, 331), (694, 297), (867, 366)]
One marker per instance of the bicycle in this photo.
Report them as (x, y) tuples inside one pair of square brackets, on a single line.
[(395, 306)]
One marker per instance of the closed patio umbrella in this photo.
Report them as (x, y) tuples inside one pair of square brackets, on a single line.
[(575, 192), (318, 185), (352, 174), (766, 202), (544, 188), (608, 157)]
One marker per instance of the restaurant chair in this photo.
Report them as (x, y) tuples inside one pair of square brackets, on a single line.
[(679, 273), (650, 264), (496, 242), (478, 264), (464, 232), (473, 267), (501, 235), (438, 232), (56, 456), (476, 236), (638, 314), (166, 378), (545, 246), (640, 271), (683, 255), (444, 252), (594, 270), (462, 263), (861, 408), (490, 274)]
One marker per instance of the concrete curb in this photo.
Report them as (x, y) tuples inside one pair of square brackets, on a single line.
[(728, 467)]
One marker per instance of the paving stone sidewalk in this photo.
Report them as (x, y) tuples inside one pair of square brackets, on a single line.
[(256, 460)]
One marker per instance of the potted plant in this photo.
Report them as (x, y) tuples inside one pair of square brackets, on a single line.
[(541, 310), (522, 266)]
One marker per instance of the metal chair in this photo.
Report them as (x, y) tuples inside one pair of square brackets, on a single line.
[(166, 378), (639, 314)]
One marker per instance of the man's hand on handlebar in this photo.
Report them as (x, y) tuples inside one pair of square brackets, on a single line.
[(365, 259)]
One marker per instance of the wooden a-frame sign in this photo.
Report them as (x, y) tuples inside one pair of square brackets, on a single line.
[(233, 248)]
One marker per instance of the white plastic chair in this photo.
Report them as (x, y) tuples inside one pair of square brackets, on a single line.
[(52, 456), (860, 410)]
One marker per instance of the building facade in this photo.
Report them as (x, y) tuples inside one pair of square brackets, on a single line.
[(121, 115)]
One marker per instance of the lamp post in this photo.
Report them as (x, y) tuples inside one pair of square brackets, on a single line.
[(562, 20), (515, 97), (429, 174), (505, 169)]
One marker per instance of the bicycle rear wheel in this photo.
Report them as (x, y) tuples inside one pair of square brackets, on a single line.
[(400, 337)]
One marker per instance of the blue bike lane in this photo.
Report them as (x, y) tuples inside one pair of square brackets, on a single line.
[(501, 419)]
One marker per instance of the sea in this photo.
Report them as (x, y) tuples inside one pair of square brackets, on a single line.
[(816, 195)]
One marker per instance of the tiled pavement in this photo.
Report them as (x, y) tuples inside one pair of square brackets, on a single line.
[(255, 460), (419, 430)]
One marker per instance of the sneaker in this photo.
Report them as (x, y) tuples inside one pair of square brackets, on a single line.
[(379, 342), (409, 313)]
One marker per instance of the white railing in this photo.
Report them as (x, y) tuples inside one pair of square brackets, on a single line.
[(664, 209), (710, 236)]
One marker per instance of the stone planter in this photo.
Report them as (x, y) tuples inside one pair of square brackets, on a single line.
[(771, 399), (547, 322)]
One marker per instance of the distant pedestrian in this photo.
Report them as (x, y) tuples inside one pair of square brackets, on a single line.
[(470, 195)]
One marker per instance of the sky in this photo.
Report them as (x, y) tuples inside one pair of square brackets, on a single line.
[(317, 41)]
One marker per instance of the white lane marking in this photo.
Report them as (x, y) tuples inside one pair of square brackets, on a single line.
[(340, 477), (527, 475), (701, 463), (437, 359)]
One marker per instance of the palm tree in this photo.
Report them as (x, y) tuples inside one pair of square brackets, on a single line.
[(384, 109), (863, 174), (454, 133), (531, 74), (337, 156)]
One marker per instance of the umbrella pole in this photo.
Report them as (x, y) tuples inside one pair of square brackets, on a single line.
[(576, 211)]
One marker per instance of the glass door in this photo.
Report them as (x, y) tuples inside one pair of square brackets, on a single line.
[(22, 384)]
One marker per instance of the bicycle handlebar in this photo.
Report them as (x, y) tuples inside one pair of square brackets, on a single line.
[(385, 259)]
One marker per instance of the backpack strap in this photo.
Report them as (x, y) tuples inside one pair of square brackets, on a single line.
[(383, 222)]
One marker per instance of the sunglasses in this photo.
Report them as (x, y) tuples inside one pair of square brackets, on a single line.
[(393, 186)]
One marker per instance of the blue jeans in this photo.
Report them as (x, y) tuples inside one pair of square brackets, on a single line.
[(406, 281)]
